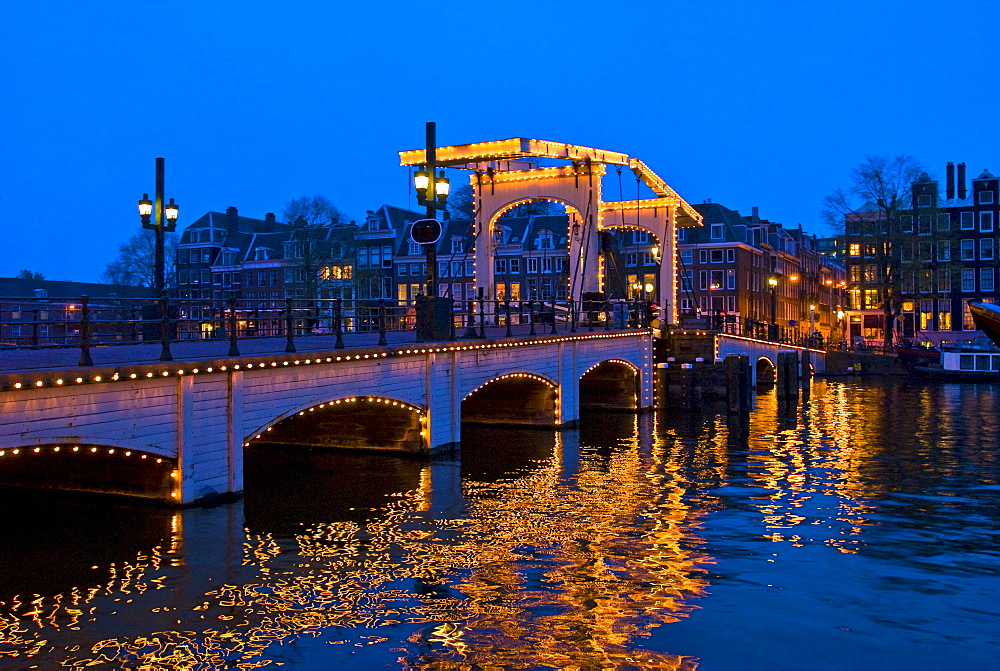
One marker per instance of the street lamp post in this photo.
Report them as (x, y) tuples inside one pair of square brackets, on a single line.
[(812, 320), (434, 315), (712, 312), (772, 334), (165, 219), (432, 192)]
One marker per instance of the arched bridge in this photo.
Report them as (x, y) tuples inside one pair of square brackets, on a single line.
[(178, 431), (764, 353)]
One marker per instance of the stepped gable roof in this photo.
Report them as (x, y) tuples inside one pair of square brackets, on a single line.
[(13, 287)]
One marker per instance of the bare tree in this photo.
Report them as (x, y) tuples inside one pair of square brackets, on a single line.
[(870, 211), (136, 262), (315, 210), (29, 275), (462, 202)]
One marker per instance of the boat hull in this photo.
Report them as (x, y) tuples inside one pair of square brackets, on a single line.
[(987, 318)]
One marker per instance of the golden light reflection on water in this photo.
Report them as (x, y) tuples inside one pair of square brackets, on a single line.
[(553, 555)]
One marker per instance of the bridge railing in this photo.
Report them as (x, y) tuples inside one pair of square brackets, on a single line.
[(83, 322), (758, 330)]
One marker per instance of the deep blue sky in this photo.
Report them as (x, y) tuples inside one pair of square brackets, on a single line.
[(253, 103)]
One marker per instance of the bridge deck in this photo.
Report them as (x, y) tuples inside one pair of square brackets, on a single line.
[(58, 359)]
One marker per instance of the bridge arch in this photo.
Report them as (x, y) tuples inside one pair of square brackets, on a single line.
[(765, 371), (520, 398), (102, 468), (350, 422), (612, 384)]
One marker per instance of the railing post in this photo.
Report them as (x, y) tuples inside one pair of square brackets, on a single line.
[(482, 316), (234, 348), (554, 330), (165, 354), (507, 310), (572, 315), (470, 321), (34, 327), (451, 313), (135, 325), (289, 326), (531, 315), (338, 326), (381, 323), (85, 359)]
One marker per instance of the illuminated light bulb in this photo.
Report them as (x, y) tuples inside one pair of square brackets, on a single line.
[(59, 381), (76, 448), (37, 450), (111, 451), (38, 383), (93, 449), (209, 369), (173, 494), (194, 370), (159, 461), (97, 378), (17, 385), (55, 449), (149, 375), (16, 451), (143, 456), (128, 454), (166, 373)]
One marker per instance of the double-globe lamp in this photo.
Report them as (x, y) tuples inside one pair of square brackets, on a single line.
[(421, 182)]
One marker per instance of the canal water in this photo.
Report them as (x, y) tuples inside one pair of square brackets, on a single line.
[(858, 530)]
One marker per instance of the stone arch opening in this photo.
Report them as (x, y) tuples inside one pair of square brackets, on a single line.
[(765, 372), (610, 385), (354, 422), (516, 399), (531, 244), (91, 468)]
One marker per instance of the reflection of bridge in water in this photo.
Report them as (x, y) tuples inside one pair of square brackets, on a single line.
[(557, 555)]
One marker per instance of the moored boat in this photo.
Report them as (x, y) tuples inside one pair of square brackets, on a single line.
[(976, 362), (915, 355)]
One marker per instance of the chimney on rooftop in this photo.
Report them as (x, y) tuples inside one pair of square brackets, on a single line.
[(949, 192), (270, 224), (755, 214), (961, 180), (232, 220)]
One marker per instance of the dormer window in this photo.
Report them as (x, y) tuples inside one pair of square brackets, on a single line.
[(413, 249), (545, 240), (718, 231), (41, 293), (501, 235), (456, 246), (985, 197), (923, 201), (262, 254), (640, 237)]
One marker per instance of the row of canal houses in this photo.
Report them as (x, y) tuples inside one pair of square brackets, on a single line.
[(736, 273)]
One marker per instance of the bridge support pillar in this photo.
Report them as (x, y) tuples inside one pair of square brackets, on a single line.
[(443, 417)]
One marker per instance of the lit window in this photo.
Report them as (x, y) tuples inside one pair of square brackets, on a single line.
[(854, 249)]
